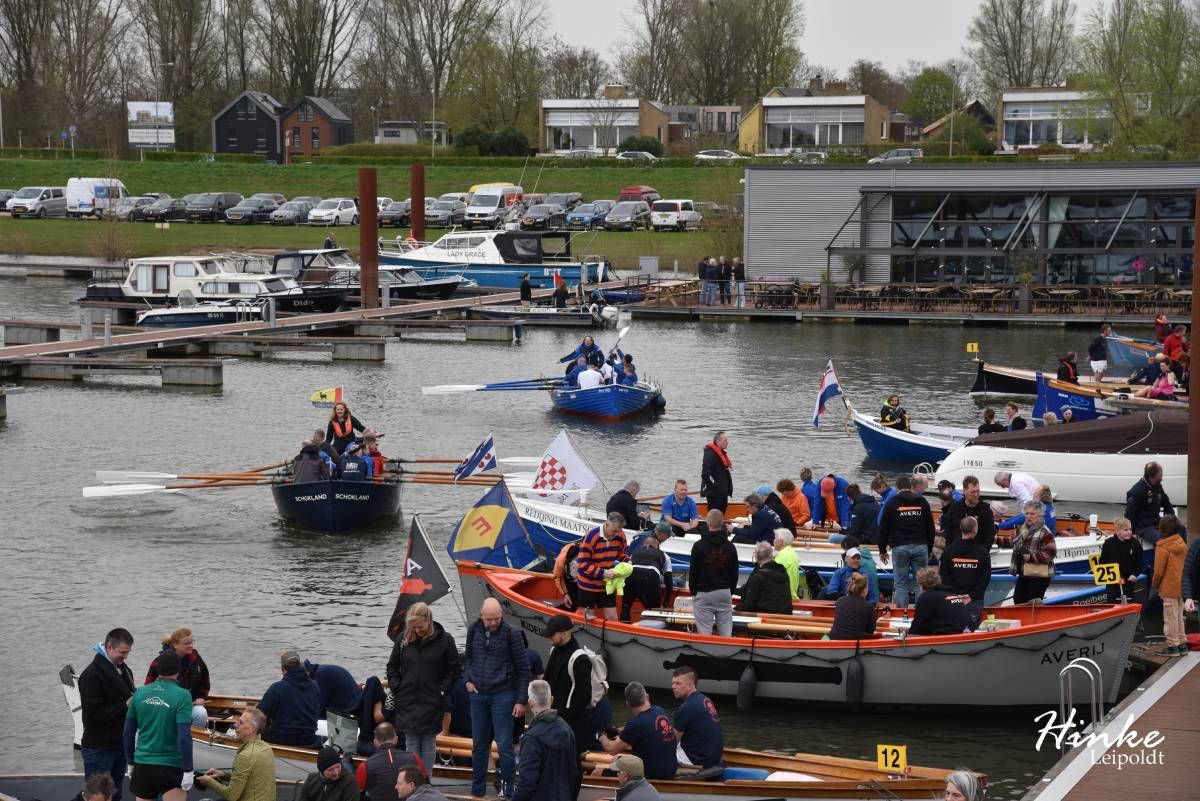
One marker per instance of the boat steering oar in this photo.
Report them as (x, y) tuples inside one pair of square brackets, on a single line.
[(620, 335)]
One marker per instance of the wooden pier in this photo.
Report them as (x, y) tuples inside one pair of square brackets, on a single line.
[(178, 372), (1166, 703)]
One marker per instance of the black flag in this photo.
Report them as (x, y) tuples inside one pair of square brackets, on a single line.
[(422, 579)]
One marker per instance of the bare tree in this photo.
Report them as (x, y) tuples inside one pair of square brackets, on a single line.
[(86, 36), (26, 45), (774, 28), (605, 117), (1022, 42), (311, 42), (240, 27), (575, 72), (1109, 45), (712, 44), (649, 62)]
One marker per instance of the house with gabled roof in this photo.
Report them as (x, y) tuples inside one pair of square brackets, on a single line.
[(249, 124), (312, 124)]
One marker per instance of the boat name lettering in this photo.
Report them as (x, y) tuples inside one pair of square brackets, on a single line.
[(1106, 747), (533, 628), (972, 463), (1062, 657), (342, 496), (1068, 554), (307, 498), (565, 523)]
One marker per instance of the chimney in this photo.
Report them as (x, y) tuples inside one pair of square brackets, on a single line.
[(815, 84), (615, 91)]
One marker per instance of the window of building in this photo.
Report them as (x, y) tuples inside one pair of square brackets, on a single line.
[(231, 140), (735, 117), (721, 121), (708, 121), (260, 139), (296, 136), (316, 138)]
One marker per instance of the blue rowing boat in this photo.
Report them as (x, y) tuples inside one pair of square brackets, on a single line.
[(335, 507), (609, 401), (1126, 354), (923, 443), (1054, 396)]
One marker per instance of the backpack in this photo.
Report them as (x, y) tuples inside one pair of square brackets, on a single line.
[(599, 676)]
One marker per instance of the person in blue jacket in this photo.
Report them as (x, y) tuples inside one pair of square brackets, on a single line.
[(293, 705), (879, 486), (355, 465), (840, 581), (339, 691), (629, 378), (812, 494), (763, 522), (579, 367), (588, 349)]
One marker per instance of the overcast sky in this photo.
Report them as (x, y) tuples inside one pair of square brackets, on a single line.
[(837, 33)]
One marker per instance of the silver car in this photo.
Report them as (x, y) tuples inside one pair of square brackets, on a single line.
[(900, 155)]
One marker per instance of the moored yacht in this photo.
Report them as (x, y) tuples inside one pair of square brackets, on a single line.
[(334, 267)]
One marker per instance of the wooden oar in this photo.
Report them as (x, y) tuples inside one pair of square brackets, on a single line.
[(121, 490), (134, 477)]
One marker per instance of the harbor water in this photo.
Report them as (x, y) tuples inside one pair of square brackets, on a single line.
[(222, 564)]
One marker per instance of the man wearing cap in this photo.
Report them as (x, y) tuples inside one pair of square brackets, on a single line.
[(569, 675), (355, 464), (160, 720), (253, 775), (293, 705), (549, 769), (680, 511), (631, 776), (650, 582), (330, 781), (840, 580)]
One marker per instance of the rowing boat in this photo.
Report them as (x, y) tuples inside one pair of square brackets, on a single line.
[(608, 401), (335, 507), (922, 443)]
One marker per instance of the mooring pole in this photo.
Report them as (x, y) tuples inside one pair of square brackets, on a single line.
[(417, 193), (368, 238), (1193, 481)]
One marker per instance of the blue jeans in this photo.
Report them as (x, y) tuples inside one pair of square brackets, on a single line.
[(741, 293), (424, 746), (906, 561), (106, 760), (491, 719)]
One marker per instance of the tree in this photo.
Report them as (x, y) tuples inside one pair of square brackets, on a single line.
[(650, 144), (649, 62), (575, 72), (870, 78), (310, 42), (774, 28), (86, 38), (970, 139), (1018, 43), (931, 96)]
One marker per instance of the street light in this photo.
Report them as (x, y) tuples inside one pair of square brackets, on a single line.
[(157, 93)]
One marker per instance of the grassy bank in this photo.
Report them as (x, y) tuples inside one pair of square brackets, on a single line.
[(125, 240)]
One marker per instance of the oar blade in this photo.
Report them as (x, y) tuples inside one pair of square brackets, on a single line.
[(451, 389), (130, 477), (121, 490)]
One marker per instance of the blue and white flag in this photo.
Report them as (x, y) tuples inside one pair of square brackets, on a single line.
[(482, 459), (829, 388)]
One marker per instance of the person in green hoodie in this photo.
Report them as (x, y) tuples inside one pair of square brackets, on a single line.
[(253, 774)]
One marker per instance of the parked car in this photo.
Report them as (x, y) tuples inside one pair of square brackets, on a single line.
[(807, 157), (167, 209), (129, 209), (156, 195), (674, 215), (646, 194), (717, 155), (488, 203), (39, 201), (580, 154), (568, 200), (211, 206), (586, 216), (251, 210), (382, 203), (532, 199), (275, 197), (628, 215), (900, 155), (5, 195), (334, 211), (462, 197), (89, 197), (445, 213), (637, 155), (543, 217), (397, 213), (294, 212), (311, 200)]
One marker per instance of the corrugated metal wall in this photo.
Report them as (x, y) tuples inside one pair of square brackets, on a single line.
[(793, 212)]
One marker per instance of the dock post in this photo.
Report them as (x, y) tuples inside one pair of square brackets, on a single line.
[(193, 373), (385, 290), (85, 325), (3, 405), (270, 310), (1193, 483), (368, 237), (499, 331), (107, 329), (417, 192)]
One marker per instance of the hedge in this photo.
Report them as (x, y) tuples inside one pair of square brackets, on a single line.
[(52, 153), (178, 155)]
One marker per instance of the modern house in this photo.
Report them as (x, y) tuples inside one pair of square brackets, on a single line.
[(790, 118), (974, 109), (314, 123), (688, 124), (409, 132), (249, 124), (598, 123), (1055, 117)]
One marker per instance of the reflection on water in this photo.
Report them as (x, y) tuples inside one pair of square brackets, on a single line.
[(221, 563)]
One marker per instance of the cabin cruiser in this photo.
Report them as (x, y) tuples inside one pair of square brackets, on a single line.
[(334, 267), (161, 280), (190, 312), (498, 259)]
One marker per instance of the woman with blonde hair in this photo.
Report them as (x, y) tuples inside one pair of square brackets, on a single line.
[(421, 672), (342, 425), (193, 672)]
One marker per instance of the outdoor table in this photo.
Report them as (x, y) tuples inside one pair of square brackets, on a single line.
[(1130, 297), (866, 296), (984, 297), (923, 296), (1063, 296)]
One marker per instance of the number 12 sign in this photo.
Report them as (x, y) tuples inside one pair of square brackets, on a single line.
[(892, 758)]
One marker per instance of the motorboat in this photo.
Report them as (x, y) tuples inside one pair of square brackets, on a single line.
[(1094, 461), (189, 313), (498, 259), (334, 267)]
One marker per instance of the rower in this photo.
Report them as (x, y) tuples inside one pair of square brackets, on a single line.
[(309, 466), (629, 376), (355, 465), (590, 378), (573, 373), (893, 415), (643, 735), (697, 724), (328, 454), (378, 462), (763, 522), (588, 349)]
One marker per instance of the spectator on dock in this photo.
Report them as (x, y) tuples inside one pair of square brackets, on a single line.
[(569, 675), (1170, 554), (966, 567), (893, 415), (785, 554), (716, 472), (97, 787), (566, 574), (651, 581), (376, 775), (739, 282), (963, 785), (561, 294), (526, 290), (794, 500), (1033, 552), (602, 548), (421, 672), (1190, 584), (1125, 551), (940, 610), (549, 769), (989, 424), (907, 529), (330, 242), (1015, 421), (864, 512), (773, 502), (702, 279), (293, 705), (253, 775), (1021, 486), (1098, 352), (1162, 327), (768, 588), (193, 672), (697, 724), (411, 785), (497, 672), (1147, 501), (1068, 368), (648, 735), (330, 781), (342, 425), (763, 522), (624, 501), (1176, 344), (853, 614), (105, 687), (158, 735), (712, 578), (724, 279)]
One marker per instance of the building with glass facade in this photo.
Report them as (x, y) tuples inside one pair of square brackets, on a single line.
[(1102, 223), (783, 122), (599, 124), (1063, 118)]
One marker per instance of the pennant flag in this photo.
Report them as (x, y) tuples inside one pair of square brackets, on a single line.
[(492, 532), (422, 579), (482, 459), (563, 472), (829, 388), (326, 398), (558, 279)]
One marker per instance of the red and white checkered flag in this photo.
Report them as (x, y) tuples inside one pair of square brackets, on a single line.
[(563, 472)]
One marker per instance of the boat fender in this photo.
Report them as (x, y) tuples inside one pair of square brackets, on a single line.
[(747, 686), (855, 678), (594, 309), (660, 402)]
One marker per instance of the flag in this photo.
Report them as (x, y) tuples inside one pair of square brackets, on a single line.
[(422, 579), (558, 279), (563, 472), (482, 459), (492, 532), (829, 387), (326, 398)]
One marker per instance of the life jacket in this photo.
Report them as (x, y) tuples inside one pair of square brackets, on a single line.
[(343, 432), (720, 452)]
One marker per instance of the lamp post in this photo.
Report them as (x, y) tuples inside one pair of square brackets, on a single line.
[(157, 94)]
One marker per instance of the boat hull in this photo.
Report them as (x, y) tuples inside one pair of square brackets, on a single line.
[(992, 379), (610, 401), (1129, 354), (187, 318), (312, 300), (538, 315), (1085, 404), (336, 507), (491, 276), (923, 444)]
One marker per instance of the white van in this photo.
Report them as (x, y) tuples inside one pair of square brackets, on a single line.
[(490, 203), (93, 195), (38, 201), (676, 214)]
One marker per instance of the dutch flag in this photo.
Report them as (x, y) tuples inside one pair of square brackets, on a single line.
[(828, 388), (483, 458)]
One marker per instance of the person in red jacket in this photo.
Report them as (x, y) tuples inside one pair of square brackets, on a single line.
[(193, 673)]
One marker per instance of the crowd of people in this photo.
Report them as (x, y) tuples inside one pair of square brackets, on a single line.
[(722, 282), (345, 450), (588, 367)]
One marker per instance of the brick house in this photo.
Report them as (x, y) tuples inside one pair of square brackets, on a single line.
[(311, 124)]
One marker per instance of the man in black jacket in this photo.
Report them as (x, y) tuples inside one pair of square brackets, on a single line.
[(1068, 370), (1146, 501), (712, 578), (570, 680), (549, 764), (773, 502), (308, 466), (966, 567), (624, 501), (652, 580), (970, 506), (939, 609), (105, 687), (864, 512), (768, 589), (716, 477), (906, 527)]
